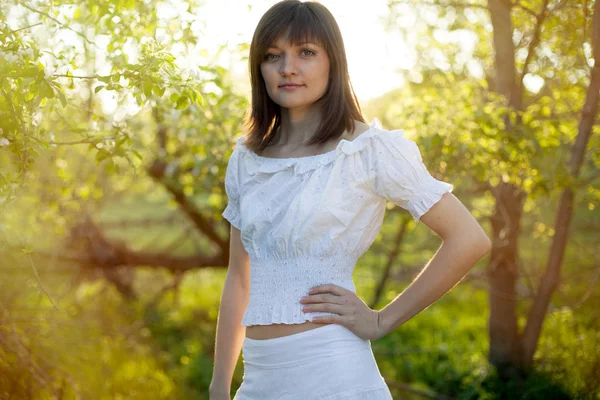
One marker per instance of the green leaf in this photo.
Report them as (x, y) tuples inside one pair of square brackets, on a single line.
[(121, 141), (137, 154), (182, 103), (99, 88), (31, 71), (62, 98), (147, 87), (46, 90), (199, 99), (158, 90), (101, 155), (109, 167)]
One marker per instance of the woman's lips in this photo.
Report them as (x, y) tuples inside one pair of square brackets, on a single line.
[(291, 87)]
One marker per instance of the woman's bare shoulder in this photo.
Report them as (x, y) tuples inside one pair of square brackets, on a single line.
[(359, 128)]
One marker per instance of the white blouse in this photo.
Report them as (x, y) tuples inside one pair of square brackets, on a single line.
[(305, 221)]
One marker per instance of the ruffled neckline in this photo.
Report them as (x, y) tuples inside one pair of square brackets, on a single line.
[(255, 163)]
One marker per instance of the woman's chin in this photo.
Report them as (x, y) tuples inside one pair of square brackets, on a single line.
[(294, 104)]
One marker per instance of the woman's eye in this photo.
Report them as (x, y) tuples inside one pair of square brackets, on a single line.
[(304, 52)]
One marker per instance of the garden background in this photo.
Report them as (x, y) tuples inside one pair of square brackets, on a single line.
[(117, 119)]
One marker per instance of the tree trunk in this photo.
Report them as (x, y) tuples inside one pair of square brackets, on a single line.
[(503, 274), (503, 271)]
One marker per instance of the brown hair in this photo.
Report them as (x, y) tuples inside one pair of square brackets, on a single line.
[(301, 21)]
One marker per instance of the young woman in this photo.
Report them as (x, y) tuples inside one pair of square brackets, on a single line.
[(307, 187)]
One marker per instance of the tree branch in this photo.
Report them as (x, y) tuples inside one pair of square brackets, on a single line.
[(534, 41), (59, 23)]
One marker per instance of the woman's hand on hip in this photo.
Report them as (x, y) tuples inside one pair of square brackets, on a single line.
[(352, 312)]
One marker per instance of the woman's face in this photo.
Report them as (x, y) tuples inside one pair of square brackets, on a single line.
[(295, 76)]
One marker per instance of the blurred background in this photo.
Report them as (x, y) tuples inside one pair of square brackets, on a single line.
[(117, 119)]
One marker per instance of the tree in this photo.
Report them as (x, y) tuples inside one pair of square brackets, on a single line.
[(511, 134), (91, 98)]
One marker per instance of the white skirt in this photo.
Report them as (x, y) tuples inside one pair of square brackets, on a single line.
[(329, 362)]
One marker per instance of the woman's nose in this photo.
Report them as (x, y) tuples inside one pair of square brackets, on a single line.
[(288, 66)]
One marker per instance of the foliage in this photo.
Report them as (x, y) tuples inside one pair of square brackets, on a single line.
[(104, 75), (43, 97)]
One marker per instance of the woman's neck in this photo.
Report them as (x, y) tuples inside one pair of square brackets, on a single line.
[(297, 126)]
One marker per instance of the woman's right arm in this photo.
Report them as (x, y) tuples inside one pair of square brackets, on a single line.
[(230, 332)]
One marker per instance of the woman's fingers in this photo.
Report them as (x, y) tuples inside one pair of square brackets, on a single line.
[(329, 288), (320, 298), (324, 307)]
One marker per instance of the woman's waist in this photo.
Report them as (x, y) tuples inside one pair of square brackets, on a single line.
[(277, 330), (306, 344)]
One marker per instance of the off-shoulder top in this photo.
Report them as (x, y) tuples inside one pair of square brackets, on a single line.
[(305, 221)]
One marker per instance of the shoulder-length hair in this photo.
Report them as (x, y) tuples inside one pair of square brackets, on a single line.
[(300, 22)]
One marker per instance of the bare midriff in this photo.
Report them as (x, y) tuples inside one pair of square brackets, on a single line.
[(262, 332)]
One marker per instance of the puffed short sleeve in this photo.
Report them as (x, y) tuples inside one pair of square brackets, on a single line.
[(397, 173), (232, 211)]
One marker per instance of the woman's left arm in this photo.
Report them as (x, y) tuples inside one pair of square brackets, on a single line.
[(464, 243)]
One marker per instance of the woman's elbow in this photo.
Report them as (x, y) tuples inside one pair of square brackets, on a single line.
[(486, 244), (479, 240), (476, 241), (451, 220)]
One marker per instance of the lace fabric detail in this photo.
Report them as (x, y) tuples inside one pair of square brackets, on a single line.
[(307, 220), (255, 164)]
